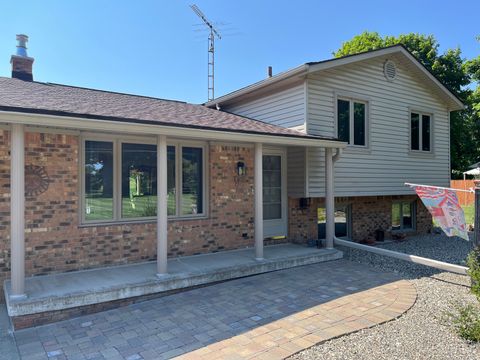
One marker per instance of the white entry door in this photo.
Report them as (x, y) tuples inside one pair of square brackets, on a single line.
[(274, 193)]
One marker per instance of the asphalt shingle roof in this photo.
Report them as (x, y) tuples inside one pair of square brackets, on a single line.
[(63, 100)]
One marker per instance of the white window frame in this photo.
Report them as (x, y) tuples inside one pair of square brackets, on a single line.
[(413, 209), (117, 177), (351, 101), (420, 132)]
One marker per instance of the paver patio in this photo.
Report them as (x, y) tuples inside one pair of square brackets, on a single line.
[(268, 316)]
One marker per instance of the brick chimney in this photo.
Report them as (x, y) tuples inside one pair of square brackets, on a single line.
[(22, 64)]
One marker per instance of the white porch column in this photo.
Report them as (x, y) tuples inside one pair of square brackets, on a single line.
[(329, 199), (162, 230), (17, 210), (258, 201)]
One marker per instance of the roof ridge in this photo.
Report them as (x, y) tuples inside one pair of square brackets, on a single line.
[(99, 90), (115, 92)]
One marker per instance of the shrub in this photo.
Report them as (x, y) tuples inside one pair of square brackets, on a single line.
[(473, 263), (466, 322)]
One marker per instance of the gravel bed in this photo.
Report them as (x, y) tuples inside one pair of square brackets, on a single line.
[(422, 332)]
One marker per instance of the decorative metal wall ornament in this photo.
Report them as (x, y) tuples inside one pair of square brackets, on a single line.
[(36, 180)]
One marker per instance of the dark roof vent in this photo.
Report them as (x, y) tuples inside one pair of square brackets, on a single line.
[(22, 65)]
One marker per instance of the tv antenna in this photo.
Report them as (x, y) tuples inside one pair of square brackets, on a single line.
[(211, 51)]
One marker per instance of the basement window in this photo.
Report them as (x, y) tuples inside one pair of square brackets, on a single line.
[(403, 215)]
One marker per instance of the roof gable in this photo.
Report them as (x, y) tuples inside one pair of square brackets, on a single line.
[(454, 103)]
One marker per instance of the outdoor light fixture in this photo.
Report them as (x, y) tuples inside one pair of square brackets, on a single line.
[(241, 168)]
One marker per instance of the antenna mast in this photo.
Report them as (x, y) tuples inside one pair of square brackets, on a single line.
[(211, 51)]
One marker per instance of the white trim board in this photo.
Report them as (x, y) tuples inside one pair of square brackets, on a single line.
[(115, 127)]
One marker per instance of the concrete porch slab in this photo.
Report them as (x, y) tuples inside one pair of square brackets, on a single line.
[(75, 289)]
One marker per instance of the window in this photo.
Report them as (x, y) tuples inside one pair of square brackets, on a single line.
[(129, 190), (420, 131), (403, 214), (139, 180), (352, 121), (98, 180), (342, 221), (192, 181)]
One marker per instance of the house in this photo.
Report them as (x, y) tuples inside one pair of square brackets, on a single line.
[(394, 115), (93, 179)]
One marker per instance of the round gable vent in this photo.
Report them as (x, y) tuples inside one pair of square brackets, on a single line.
[(390, 70)]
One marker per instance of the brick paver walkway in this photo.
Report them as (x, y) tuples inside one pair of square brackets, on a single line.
[(268, 316)]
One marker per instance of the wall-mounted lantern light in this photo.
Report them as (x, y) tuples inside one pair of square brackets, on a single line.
[(241, 168)]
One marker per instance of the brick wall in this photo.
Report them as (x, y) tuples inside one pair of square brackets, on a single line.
[(56, 242), (303, 222), (370, 213)]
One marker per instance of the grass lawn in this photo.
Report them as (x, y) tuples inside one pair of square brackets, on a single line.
[(469, 211), (141, 206)]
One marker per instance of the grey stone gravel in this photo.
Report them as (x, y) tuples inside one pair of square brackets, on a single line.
[(423, 332)]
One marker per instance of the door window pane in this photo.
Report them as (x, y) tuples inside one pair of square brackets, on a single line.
[(139, 180), (272, 187), (359, 124), (192, 181), (425, 133), (415, 131), (98, 180), (343, 116)]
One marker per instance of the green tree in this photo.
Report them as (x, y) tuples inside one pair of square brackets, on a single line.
[(450, 68)]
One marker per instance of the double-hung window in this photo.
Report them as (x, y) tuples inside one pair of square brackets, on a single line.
[(352, 121), (120, 180), (420, 131)]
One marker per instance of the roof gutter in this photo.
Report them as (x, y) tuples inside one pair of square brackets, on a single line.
[(110, 126)]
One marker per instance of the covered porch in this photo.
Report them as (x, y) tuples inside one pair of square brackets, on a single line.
[(33, 300)]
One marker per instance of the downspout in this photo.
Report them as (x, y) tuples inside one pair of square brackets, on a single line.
[(330, 159)]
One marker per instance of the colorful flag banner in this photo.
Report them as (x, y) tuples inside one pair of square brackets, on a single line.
[(444, 206)]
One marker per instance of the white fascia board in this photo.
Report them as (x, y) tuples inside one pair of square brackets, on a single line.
[(83, 124), (391, 50), (328, 64), (259, 85), (460, 105)]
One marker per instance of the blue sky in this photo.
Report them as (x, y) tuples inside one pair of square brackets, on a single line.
[(152, 47)]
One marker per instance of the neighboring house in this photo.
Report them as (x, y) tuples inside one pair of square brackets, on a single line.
[(394, 115), (80, 170)]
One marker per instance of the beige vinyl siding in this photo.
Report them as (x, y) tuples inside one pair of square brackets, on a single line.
[(284, 108), (296, 171), (387, 163)]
